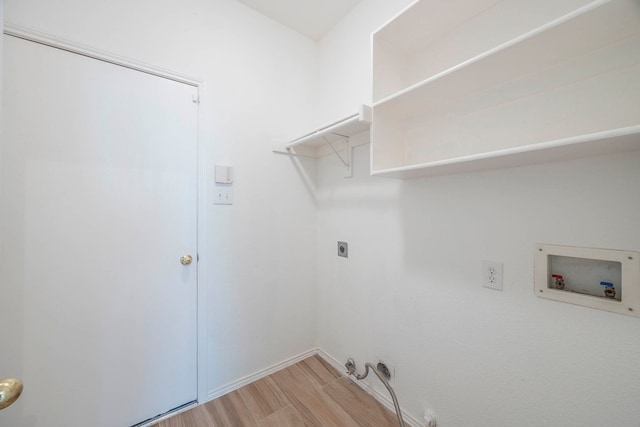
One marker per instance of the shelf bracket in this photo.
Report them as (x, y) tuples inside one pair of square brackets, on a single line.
[(349, 151), (340, 146)]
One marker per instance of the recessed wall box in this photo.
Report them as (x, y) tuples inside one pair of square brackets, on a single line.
[(343, 249), (599, 278)]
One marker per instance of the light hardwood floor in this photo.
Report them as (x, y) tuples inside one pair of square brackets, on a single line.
[(310, 393)]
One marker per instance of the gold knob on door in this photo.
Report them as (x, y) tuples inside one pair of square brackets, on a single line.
[(186, 259), (10, 389)]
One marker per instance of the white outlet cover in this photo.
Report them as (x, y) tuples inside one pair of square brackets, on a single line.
[(492, 275)]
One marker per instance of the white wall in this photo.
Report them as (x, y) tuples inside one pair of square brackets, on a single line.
[(7, 313), (345, 58), (11, 363), (257, 257), (410, 291), (1, 55)]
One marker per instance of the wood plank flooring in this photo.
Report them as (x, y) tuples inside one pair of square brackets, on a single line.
[(310, 393)]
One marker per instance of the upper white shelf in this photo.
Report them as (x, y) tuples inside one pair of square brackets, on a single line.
[(518, 87), (584, 31), (399, 46)]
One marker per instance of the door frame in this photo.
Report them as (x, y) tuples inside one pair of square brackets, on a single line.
[(87, 51)]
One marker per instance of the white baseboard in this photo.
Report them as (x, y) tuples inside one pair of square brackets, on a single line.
[(213, 394), (228, 388), (379, 396), (170, 414)]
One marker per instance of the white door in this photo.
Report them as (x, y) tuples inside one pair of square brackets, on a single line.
[(98, 194)]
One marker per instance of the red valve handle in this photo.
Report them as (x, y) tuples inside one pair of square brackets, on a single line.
[(557, 276)]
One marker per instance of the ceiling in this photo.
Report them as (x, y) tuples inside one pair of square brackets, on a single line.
[(313, 18)]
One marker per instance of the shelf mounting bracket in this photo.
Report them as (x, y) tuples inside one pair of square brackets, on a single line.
[(349, 154), (337, 136)]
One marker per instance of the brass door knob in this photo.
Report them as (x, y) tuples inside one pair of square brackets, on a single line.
[(10, 389), (186, 259)]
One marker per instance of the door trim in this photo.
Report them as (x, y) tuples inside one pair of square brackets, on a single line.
[(80, 49), (55, 42)]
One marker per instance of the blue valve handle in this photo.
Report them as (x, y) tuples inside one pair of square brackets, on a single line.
[(608, 284)]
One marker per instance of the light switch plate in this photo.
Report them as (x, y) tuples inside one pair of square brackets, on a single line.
[(223, 195)]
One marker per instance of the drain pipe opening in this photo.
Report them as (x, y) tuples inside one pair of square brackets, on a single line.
[(382, 372)]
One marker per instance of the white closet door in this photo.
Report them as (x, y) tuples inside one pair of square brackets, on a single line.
[(98, 196)]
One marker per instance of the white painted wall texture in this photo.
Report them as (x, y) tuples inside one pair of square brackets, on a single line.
[(1, 56), (410, 291), (257, 257)]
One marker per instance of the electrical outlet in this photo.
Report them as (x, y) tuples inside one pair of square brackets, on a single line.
[(492, 275)]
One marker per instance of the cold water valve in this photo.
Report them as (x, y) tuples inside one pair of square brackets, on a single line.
[(609, 289)]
